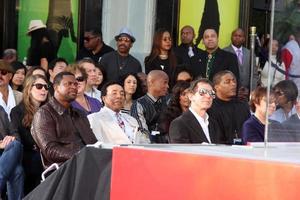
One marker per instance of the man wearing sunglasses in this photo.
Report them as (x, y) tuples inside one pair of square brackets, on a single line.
[(195, 125), (94, 47), (120, 62), (9, 98), (58, 129), (227, 109)]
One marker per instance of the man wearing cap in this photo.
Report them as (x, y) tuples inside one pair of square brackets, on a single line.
[(120, 62), (9, 98), (94, 47), (10, 55)]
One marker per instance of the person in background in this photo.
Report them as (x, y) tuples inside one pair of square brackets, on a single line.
[(35, 94), (254, 128), (19, 76), (131, 85), (83, 102), (55, 66), (195, 125), (286, 93), (187, 52), (94, 47), (277, 67), (100, 76), (162, 56), (178, 104), (34, 71), (58, 121), (41, 51), (112, 126), (143, 80), (120, 62), (182, 73), (146, 109), (89, 66), (10, 55)]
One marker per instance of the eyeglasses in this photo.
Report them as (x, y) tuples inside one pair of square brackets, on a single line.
[(203, 92), (3, 72), (39, 86), (125, 39), (80, 79), (89, 38)]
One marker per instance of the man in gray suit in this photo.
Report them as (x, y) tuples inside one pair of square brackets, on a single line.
[(243, 55)]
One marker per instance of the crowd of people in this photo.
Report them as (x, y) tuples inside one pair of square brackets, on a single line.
[(50, 109)]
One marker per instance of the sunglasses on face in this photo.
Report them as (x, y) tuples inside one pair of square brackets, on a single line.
[(3, 72), (39, 86), (125, 39), (203, 92), (89, 38), (80, 79), (167, 39)]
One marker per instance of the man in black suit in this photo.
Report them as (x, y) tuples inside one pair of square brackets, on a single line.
[(216, 59), (194, 125)]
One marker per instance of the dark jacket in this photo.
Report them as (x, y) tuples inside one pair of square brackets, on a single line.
[(186, 129), (60, 132)]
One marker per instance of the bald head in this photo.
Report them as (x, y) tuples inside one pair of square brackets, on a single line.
[(158, 83), (238, 37)]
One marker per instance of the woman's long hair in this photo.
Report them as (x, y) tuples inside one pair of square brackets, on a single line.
[(155, 51), (30, 108)]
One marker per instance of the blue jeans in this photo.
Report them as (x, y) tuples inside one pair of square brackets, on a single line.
[(11, 171)]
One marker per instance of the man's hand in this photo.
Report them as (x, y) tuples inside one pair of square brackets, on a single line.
[(6, 141)]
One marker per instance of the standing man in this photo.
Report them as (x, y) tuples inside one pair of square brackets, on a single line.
[(195, 125), (9, 98), (147, 109), (10, 55), (243, 56), (55, 66), (227, 110), (94, 47), (216, 59), (187, 52), (112, 126), (120, 62), (58, 129)]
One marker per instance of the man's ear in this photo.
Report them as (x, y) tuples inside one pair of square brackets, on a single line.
[(10, 75)]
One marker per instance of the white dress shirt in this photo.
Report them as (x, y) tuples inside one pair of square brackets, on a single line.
[(203, 123)]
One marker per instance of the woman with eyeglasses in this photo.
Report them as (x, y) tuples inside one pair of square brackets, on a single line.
[(286, 93), (254, 128), (162, 56), (179, 103), (83, 102), (35, 94)]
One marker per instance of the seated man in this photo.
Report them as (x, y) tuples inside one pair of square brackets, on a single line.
[(194, 125), (227, 110), (112, 126), (58, 129), (146, 110), (11, 170)]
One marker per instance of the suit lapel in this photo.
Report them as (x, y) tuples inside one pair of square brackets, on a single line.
[(195, 125)]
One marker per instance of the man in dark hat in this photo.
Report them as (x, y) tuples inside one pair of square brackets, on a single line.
[(120, 62)]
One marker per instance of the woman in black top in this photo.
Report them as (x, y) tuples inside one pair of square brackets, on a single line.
[(41, 50), (162, 57), (34, 95)]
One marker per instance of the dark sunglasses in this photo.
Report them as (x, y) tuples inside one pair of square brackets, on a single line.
[(39, 86), (80, 79), (3, 72), (203, 92), (88, 38)]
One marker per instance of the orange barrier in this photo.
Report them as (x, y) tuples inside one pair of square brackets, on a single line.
[(153, 175)]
